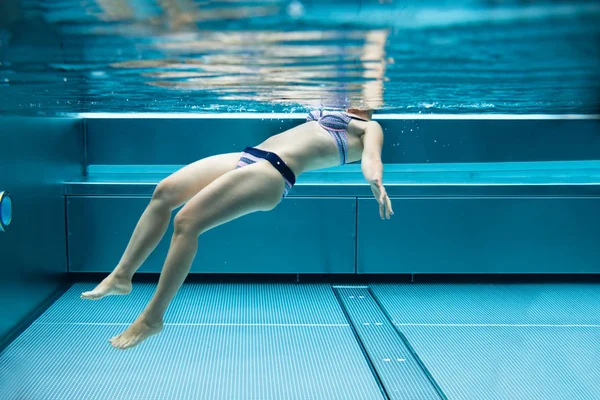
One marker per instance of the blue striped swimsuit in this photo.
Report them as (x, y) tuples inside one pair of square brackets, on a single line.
[(336, 123)]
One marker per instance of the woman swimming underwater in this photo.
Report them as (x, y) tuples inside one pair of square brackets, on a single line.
[(221, 188)]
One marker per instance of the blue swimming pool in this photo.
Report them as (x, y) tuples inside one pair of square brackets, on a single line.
[(433, 56), (483, 285)]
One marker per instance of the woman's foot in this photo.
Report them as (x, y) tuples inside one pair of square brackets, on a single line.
[(111, 285), (137, 332)]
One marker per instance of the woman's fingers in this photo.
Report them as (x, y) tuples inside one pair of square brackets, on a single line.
[(385, 204), (389, 211)]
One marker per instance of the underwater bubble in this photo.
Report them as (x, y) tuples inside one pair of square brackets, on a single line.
[(295, 9)]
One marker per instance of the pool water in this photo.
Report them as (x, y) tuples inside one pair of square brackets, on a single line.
[(466, 56)]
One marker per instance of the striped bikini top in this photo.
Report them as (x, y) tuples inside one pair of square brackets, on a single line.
[(336, 123)]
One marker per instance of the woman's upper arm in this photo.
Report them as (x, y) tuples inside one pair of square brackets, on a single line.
[(372, 140)]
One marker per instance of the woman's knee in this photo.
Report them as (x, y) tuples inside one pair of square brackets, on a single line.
[(185, 223), (167, 194)]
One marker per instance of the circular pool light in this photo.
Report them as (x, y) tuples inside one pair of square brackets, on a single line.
[(5, 210)]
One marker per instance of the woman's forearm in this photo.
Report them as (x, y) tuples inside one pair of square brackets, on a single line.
[(372, 169)]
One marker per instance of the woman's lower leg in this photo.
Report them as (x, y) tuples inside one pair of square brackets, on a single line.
[(182, 251), (147, 234)]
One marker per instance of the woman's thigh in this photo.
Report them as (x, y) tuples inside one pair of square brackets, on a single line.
[(256, 187), (185, 183)]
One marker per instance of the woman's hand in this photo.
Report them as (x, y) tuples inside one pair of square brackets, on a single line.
[(385, 204)]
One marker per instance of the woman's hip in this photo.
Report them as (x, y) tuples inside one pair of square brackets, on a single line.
[(250, 155)]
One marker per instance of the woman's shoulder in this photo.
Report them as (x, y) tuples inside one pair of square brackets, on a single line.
[(373, 124)]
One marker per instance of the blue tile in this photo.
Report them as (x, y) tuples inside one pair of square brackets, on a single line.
[(492, 362), (75, 361), (242, 303), (490, 303)]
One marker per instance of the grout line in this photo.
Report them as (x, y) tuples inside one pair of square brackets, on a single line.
[(317, 325), (366, 355), (412, 351), (188, 324), (350, 287), (511, 325)]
